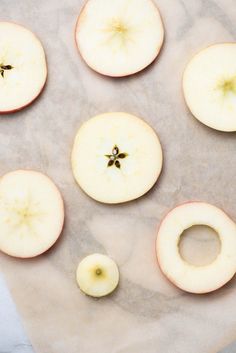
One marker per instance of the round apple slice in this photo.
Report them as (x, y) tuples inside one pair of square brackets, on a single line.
[(196, 279), (97, 275), (209, 85), (116, 157), (119, 37), (23, 69), (31, 213)]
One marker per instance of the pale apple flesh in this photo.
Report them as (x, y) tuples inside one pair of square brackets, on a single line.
[(119, 37), (116, 157), (31, 213), (209, 85), (97, 275), (188, 277), (23, 68)]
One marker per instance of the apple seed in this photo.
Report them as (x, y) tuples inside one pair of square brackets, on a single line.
[(3, 68), (113, 158)]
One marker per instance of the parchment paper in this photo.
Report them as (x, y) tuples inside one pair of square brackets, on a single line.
[(147, 313)]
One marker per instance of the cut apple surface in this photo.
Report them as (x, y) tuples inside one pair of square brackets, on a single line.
[(209, 85), (23, 69), (97, 275), (31, 213), (191, 278), (116, 157), (119, 37)]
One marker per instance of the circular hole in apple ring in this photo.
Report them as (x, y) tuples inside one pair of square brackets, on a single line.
[(199, 245)]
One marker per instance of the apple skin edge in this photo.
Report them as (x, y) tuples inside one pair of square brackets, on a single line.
[(62, 226), (158, 262), (182, 86), (6, 112), (159, 49), (124, 202)]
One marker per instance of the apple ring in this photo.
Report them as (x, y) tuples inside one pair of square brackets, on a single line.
[(196, 279)]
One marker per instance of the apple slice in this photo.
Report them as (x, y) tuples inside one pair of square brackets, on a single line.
[(119, 37), (209, 85), (31, 213), (116, 157), (23, 69), (97, 275), (196, 279)]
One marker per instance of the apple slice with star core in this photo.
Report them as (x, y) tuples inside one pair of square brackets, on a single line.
[(209, 85), (119, 37), (31, 213), (23, 68), (116, 157)]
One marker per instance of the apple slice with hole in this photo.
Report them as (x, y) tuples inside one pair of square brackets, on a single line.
[(116, 157), (209, 85), (119, 37), (191, 278), (23, 69), (31, 213), (97, 275)]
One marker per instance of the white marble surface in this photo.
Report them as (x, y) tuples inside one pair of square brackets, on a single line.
[(146, 314), (12, 336)]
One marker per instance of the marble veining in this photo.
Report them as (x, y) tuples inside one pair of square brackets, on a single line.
[(146, 314)]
